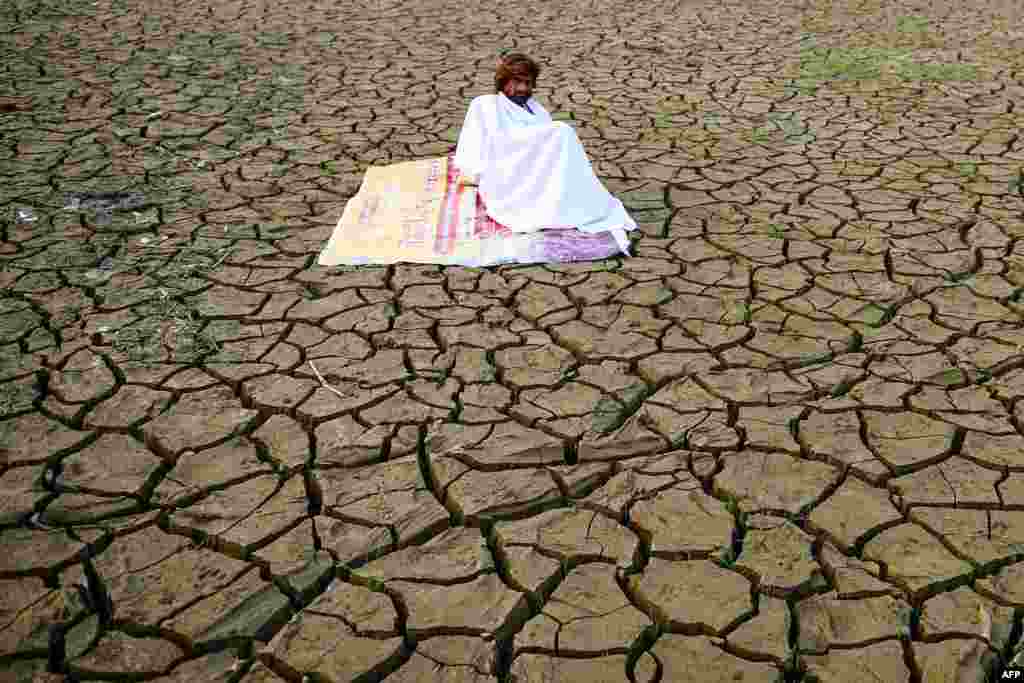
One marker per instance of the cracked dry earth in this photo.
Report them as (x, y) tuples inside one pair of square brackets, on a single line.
[(785, 441)]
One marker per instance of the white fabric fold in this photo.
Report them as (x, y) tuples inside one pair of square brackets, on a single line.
[(533, 171)]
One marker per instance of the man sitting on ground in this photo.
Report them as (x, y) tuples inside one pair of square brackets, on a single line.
[(532, 172)]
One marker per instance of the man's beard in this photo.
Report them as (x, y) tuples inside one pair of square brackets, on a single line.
[(521, 100)]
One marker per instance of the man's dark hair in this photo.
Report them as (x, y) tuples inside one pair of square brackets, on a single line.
[(515, 64)]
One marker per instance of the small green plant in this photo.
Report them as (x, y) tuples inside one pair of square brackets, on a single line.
[(776, 231), (796, 132), (611, 412), (742, 313), (951, 376), (73, 375), (202, 539), (968, 169), (274, 232), (10, 361), (14, 397), (875, 315), (140, 343), (912, 24), (904, 618), (372, 582), (1017, 183), (732, 504), (760, 135), (192, 343), (328, 168), (959, 279), (172, 325), (800, 87), (607, 414), (812, 359), (488, 373), (841, 388), (663, 120), (67, 315)]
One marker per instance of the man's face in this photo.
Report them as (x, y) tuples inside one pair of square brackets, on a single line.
[(520, 84)]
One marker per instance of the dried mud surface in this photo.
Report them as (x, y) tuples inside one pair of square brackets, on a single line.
[(785, 441)]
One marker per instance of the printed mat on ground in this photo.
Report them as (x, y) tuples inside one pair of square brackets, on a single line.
[(423, 212)]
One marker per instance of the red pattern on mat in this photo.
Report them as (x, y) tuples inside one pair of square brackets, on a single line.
[(484, 225), (555, 244)]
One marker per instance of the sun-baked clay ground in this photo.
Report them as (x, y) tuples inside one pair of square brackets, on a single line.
[(785, 441)]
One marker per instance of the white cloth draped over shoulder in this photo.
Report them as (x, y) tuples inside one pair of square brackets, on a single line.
[(533, 172)]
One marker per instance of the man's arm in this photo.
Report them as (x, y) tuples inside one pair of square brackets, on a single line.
[(471, 149)]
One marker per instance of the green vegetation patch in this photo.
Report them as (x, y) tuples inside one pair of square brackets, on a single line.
[(1017, 183), (641, 200), (912, 24), (15, 397), (821, 65), (610, 413), (968, 169), (845, 64), (950, 377)]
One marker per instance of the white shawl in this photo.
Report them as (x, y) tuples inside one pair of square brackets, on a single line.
[(533, 171)]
